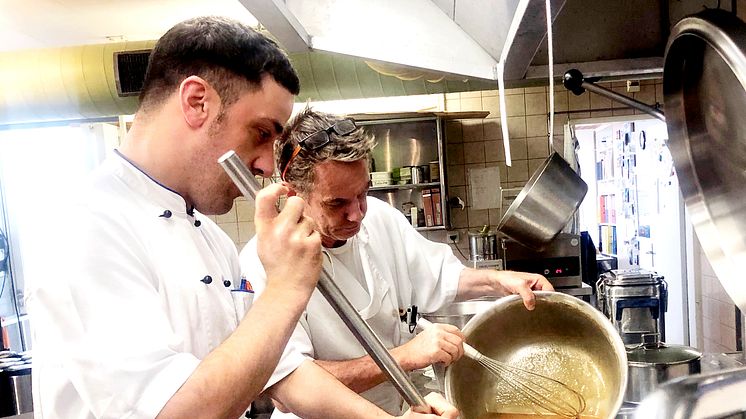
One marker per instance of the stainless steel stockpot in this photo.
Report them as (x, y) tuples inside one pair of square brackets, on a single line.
[(651, 364)]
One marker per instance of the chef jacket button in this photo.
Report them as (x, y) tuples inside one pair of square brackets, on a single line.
[(166, 214), (227, 283), (197, 223), (207, 279)]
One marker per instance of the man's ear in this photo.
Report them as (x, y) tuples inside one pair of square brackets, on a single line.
[(197, 100)]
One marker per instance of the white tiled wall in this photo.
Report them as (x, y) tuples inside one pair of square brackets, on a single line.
[(477, 143)]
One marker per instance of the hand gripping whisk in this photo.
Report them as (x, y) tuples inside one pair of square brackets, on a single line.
[(543, 392)]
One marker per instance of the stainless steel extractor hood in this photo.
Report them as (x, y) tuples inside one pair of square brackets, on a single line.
[(466, 39)]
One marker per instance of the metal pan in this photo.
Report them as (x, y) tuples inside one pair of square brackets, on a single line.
[(704, 85), (545, 205)]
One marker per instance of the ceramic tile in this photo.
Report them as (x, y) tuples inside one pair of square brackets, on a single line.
[(646, 94), (478, 218), (538, 147), (728, 337), (534, 164), (471, 104), (472, 129), (474, 152), (519, 171), (537, 89), (244, 210), (536, 125), (561, 101), (491, 104), (456, 175), (599, 102), (459, 218), (516, 105), (455, 153), (473, 94), (536, 103), (517, 127), (246, 231), (454, 134), (453, 105), (621, 91), (625, 111), (494, 151), (231, 229), (491, 129), (579, 103), (229, 217), (518, 149), (495, 215)]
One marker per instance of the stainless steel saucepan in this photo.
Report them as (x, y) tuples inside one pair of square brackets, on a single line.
[(563, 338), (545, 205)]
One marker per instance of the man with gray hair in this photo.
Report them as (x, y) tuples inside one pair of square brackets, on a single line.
[(381, 263)]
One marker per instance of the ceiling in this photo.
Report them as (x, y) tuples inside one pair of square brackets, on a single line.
[(601, 38), (56, 23)]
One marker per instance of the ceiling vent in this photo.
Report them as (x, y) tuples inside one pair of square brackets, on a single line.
[(129, 70)]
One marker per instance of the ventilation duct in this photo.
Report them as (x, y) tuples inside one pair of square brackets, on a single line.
[(103, 80)]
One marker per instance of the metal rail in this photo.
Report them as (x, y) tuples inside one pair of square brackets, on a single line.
[(574, 82), (249, 187)]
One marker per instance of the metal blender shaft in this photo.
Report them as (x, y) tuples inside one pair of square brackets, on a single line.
[(249, 187)]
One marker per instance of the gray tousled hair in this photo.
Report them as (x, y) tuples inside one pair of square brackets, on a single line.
[(357, 145)]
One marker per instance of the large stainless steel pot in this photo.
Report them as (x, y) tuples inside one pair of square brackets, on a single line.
[(564, 338), (545, 204), (651, 364)]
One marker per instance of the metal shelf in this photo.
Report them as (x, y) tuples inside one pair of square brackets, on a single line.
[(402, 187), (430, 228)]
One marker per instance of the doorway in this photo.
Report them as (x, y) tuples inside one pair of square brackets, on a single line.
[(633, 210)]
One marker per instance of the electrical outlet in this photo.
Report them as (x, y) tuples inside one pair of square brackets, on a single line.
[(453, 236)]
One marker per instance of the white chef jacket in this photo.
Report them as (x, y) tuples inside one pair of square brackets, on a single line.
[(126, 315), (401, 269)]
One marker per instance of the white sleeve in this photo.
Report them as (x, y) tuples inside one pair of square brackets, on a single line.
[(299, 347), (101, 311), (432, 268)]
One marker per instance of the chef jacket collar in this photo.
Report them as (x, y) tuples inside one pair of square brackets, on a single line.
[(161, 194)]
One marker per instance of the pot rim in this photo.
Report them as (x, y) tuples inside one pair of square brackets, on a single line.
[(552, 296), (694, 355)]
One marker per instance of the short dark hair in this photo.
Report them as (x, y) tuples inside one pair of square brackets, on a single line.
[(224, 52)]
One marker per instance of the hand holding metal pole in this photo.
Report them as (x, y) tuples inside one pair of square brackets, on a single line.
[(249, 187)]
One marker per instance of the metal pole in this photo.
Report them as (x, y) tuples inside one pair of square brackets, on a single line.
[(574, 81), (249, 187)]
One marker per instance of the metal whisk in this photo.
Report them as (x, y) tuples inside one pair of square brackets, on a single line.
[(543, 392)]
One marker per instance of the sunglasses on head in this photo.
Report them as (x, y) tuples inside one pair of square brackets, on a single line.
[(313, 142)]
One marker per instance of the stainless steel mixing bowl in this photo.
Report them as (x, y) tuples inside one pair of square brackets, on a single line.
[(563, 338)]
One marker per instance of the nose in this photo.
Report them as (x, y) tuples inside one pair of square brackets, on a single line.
[(264, 165), (356, 212)]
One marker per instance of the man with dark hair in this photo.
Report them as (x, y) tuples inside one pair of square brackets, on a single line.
[(381, 263), (144, 316)]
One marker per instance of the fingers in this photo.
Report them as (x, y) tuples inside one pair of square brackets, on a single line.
[(266, 200), (440, 406), (529, 299)]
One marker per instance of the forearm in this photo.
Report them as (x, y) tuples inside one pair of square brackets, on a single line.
[(475, 283), (232, 375), (311, 392)]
